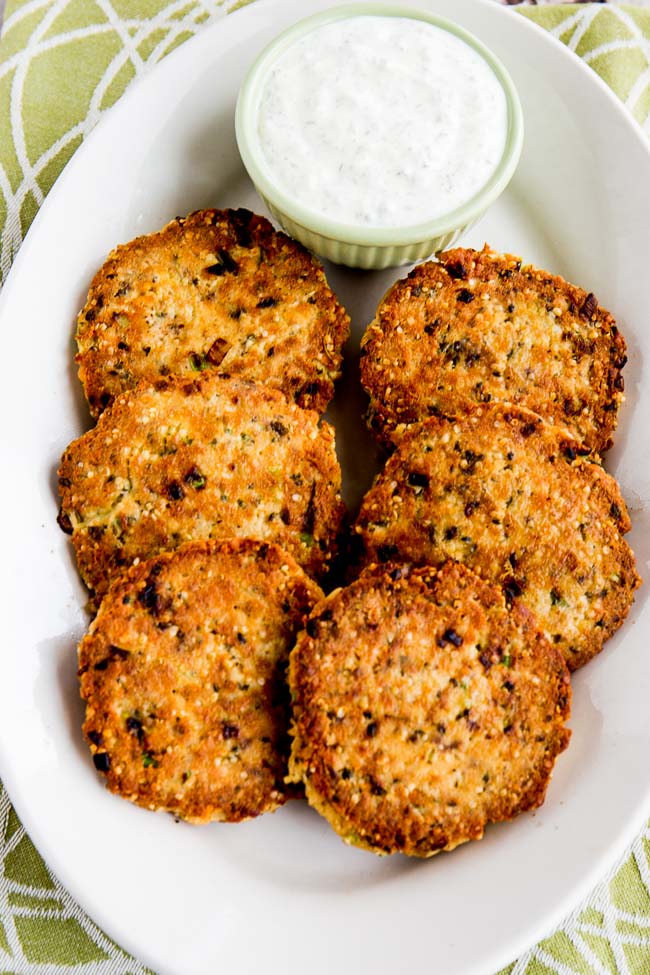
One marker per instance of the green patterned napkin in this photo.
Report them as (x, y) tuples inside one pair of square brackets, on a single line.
[(63, 63)]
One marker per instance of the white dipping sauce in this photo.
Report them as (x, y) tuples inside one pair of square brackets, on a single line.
[(381, 121)]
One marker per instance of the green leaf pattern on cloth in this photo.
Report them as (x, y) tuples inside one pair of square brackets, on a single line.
[(42, 930), (614, 41), (62, 64)]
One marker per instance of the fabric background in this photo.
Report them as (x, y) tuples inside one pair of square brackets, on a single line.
[(62, 64)]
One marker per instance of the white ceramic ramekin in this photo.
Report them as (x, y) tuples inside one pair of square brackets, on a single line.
[(356, 246)]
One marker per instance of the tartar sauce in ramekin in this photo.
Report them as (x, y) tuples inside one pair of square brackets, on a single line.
[(381, 120)]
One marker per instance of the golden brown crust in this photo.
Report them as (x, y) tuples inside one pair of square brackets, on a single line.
[(423, 709), (217, 290), (477, 327), (508, 495), (183, 674), (201, 458)]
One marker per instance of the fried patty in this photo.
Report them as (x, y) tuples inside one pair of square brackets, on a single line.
[(199, 458), (424, 709), (477, 327), (509, 495), (217, 290), (183, 674)]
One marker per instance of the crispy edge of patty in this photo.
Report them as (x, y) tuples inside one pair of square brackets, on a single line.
[(167, 611), (97, 516), (397, 520), (340, 740), (230, 235), (461, 276)]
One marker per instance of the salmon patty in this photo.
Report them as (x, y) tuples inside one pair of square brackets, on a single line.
[(183, 675), (219, 290), (424, 709), (194, 459), (509, 495), (477, 327)]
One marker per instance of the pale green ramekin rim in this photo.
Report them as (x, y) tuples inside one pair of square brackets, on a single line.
[(369, 247)]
